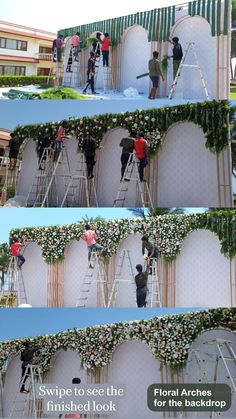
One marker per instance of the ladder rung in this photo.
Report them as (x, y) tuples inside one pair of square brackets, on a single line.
[(190, 65)]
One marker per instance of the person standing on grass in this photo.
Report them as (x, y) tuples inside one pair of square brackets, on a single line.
[(141, 286), (15, 250), (90, 237), (154, 73), (106, 43), (141, 149)]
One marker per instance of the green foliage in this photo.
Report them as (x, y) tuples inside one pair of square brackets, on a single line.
[(4, 257), (212, 117), (62, 93), (13, 81), (165, 62)]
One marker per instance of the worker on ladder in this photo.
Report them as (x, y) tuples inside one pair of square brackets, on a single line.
[(89, 150), (15, 250), (127, 144), (14, 147), (61, 135), (44, 142), (177, 54), (90, 237), (141, 286), (141, 149), (152, 250), (76, 45), (106, 43), (97, 45), (58, 47), (27, 358)]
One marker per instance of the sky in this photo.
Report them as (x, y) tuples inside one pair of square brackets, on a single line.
[(53, 15), (29, 322), (32, 217)]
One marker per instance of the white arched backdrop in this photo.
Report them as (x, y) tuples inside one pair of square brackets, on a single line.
[(187, 170), (76, 264), (195, 29), (35, 276), (134, 366), (28, 168), (208, 351), (135, 54), (109, 171), (12, 384), (202, 272)]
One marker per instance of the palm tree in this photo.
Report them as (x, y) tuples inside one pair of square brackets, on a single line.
[(4, 260), (90, 220), (153, 212)]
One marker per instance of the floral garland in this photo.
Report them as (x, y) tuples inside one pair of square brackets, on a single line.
[(212, 117), (168, 231), (169, 338)]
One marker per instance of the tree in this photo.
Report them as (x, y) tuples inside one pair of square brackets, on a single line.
[(154, 212), (90, 220), (4, 259)]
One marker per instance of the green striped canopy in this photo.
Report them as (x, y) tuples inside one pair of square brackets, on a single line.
[(158, 22)]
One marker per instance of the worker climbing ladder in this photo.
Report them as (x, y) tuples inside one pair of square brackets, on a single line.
[(44, 191), (71, 70), (154, 298), (80, 190), (55, 75), (27, 405), (190, 47), (131, 175), (95, 274), (107, 80), (13, 292), (124, 260)]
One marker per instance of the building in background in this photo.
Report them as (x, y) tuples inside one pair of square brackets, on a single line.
[(24, 51), (4, 139)]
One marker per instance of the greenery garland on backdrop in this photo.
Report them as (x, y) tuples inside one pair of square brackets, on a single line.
[(211, 116), (169, 338), (168, 231)]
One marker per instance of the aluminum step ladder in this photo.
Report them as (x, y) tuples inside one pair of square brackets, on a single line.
[(123, 260), (41, 179), (154, 298), (80, 190), (55, 74), (190, 47), (13, 292), (107, 79), (95, 274), (131, 175), (10, 177), (27, 405), (72, 70)]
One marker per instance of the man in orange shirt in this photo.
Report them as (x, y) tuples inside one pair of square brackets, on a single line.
[(141, 149), (106, 43), (15, 250)]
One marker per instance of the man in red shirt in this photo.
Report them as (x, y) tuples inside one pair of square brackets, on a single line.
[(15, 250), (90, 237), (76, 45), (141, 149), (106, 43)]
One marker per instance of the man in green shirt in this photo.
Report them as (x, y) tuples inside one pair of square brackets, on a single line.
[(154, 73)]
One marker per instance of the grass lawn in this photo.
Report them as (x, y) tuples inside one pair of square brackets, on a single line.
[(233, 91)]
